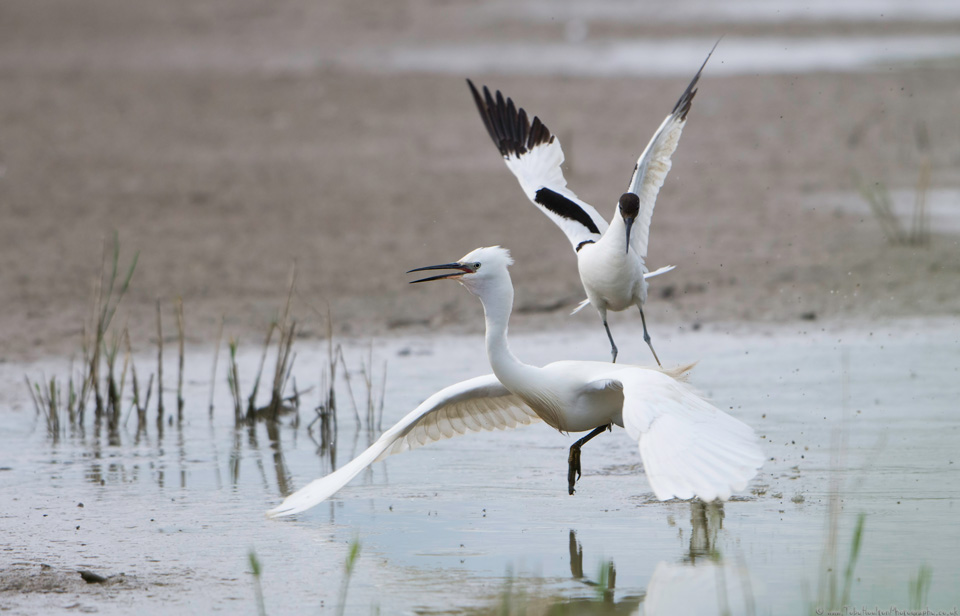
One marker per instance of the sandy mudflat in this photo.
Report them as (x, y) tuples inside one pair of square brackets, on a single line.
[(223, 141)]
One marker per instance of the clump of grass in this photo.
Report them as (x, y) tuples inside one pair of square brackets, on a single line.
[(279, 403), (920, 587), (257, 571), (252, 400), (284, 363), (233, 381), (855, 544), (180, 339), (352, 555), (49, 399), (878, 198), (106, 308), (326, 411), (139, 404), (830, 595), (216, 355), (159, 367), (349, 565), (374, 406), (606, 582), (115, 388)]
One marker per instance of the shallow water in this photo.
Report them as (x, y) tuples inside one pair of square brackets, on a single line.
[(942, 207), (731, 11), (443, 528), (654, 57)]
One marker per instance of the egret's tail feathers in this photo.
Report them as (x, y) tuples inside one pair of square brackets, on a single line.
[(321, 489), (680, 373), (581, 306), (658, 271), (689, 447)]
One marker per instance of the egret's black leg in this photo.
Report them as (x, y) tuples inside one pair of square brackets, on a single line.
[(573, 460), (646, 337)]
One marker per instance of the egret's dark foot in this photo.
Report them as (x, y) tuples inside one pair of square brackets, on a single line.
[(573, 470), (614, 352), (573, 459)]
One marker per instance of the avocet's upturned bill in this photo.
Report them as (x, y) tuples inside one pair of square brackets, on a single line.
[(611, 258), (689, 447)]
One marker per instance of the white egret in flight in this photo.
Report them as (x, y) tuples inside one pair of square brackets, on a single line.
[(611, 258), (689, 447)]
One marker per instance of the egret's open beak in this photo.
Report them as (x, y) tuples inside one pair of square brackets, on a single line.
[(463, 269), (629, 223)]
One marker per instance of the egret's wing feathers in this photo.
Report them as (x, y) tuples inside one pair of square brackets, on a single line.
[(603, 385), (534, 156), (689, 447), (654, 163), (478, 404)]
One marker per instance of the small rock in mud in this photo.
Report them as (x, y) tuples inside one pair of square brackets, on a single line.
[(92, 578)]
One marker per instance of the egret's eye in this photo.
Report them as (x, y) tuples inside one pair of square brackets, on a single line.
[(476, 266)]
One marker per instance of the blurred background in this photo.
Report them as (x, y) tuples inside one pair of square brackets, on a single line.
[(818, 177)]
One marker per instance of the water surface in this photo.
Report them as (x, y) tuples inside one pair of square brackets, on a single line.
[(446, 526)]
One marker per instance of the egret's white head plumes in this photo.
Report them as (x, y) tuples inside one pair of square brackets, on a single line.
[(491, 257), (475, 269)]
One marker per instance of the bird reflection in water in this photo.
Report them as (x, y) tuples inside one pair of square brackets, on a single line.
[(703, 582), (605, 585)]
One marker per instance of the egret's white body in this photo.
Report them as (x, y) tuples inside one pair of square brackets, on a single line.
[(689, 447), (611, 258)]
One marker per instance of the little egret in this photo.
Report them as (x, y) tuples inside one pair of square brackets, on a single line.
[(611, 259), (689, 447)]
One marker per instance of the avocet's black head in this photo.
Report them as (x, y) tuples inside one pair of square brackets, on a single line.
[(629, 209)]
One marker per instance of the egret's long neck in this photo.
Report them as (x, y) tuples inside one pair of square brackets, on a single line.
[(497, 300), (522, 379)]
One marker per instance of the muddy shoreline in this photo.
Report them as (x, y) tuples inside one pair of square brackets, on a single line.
[(221, 178)]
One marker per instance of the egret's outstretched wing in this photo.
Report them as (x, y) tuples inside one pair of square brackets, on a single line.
[(654, 164), (534, 156), (689, 447), (478, 404)]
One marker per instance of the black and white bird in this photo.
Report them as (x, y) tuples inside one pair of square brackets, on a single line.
[(611, 258), (689, 447)]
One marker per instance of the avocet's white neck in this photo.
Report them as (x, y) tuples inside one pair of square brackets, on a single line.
[(615, 238)]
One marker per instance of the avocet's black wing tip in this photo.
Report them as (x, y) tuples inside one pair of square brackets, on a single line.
[(508, 125), (682, 108)]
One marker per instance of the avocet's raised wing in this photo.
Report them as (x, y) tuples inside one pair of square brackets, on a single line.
[(534, 156), (475, 405), (654, 163), (689, 447)]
